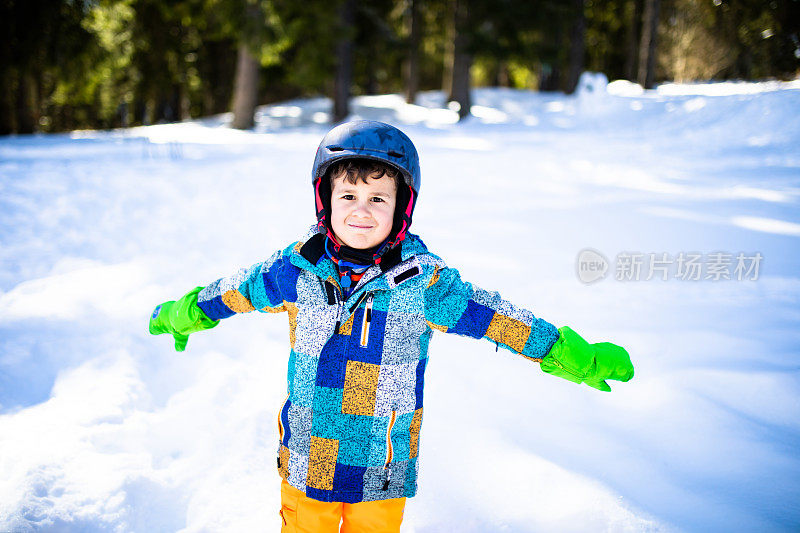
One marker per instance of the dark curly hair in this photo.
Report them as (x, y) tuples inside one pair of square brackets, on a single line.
[(355, 169)]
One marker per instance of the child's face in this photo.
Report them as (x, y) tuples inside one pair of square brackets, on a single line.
[(362, 213)]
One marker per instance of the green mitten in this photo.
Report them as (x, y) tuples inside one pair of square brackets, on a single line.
[(574, 359), (180, 318)]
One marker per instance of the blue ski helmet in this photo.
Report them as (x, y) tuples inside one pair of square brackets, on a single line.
[(376, 141)]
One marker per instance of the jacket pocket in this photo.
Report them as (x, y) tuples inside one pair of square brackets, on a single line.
[(389, 451), (281, 429)]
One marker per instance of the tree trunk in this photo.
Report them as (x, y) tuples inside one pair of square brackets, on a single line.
[(503, 78), (647, 46), (371, 85), (411, 64), (344, 63), (245, 95), (462, 61), (6, 99), (633, 19), (25, 113), (550, 68), (149, 111), (449, 46), (550, 77), (577, 46)]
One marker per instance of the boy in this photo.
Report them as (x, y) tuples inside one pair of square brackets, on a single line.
[(363, 297)]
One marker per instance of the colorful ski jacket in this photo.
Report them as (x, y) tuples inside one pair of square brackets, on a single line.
[(349, 427)]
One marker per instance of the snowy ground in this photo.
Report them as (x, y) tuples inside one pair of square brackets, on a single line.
[(105, 428)]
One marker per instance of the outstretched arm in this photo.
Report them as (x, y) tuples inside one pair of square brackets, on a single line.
[(456, 306), (256, 288)]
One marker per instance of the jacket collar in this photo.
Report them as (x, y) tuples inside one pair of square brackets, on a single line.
[(309, 253), (314, 248)]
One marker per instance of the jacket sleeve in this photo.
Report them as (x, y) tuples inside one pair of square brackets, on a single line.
[(263, 287), (456, 306)]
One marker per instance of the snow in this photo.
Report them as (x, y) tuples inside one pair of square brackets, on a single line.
[(106, 428)]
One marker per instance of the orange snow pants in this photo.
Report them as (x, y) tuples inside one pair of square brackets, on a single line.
[(302, 514)]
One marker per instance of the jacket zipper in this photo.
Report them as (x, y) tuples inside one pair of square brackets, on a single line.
[(358, 302), (389, 451), (280, 428), (367, 320)]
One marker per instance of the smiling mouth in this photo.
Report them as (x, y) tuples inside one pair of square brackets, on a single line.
[(359, 226)]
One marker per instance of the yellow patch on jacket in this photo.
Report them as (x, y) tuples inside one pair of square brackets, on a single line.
[(236, 302), (360, 388), (509, 331), (322, 463)]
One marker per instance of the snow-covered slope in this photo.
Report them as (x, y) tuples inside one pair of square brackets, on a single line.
[(105, 428)]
